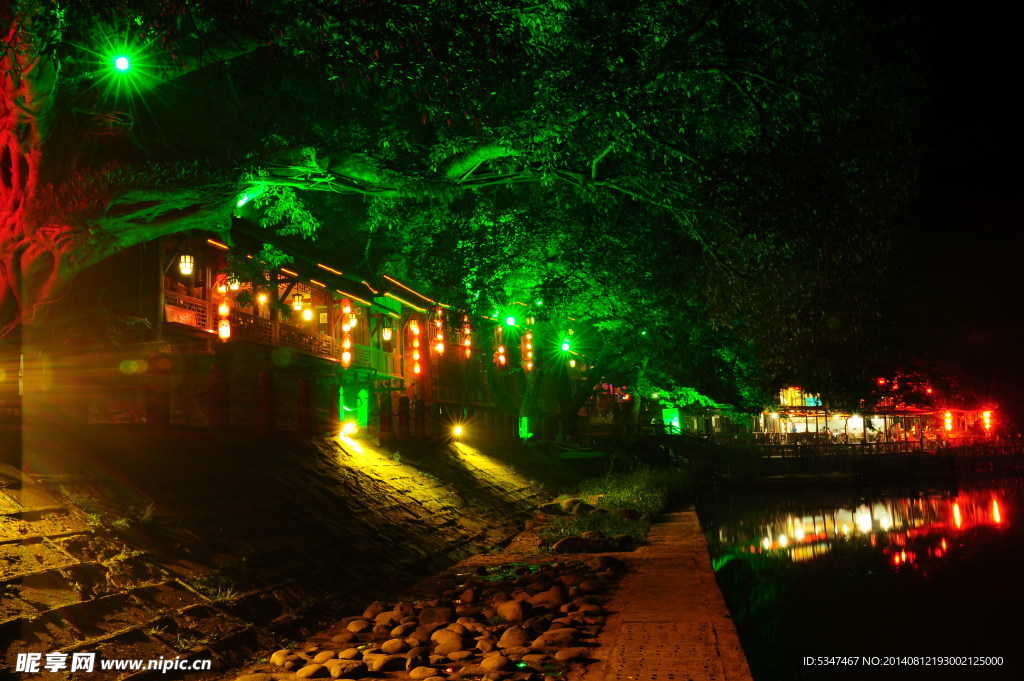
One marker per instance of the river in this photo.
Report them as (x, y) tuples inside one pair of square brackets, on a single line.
[(855, 585)]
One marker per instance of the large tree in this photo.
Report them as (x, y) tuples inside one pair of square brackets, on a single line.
[(707, 185)]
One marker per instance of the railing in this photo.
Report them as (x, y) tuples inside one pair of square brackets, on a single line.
[(195, 312), (183, 309), (250, 328)]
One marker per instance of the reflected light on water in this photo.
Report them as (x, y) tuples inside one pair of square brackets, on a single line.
[(906, 531)]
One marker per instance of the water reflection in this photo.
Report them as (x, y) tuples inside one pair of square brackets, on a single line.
[(909, 531), (846, 574)]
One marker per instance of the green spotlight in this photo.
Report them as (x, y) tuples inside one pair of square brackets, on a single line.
[(511, 321), (122, 63), (565, 346)]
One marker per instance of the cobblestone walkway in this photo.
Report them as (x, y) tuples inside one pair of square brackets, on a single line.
[(670, 622)]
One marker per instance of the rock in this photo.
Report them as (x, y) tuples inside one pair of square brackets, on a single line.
[(582, 508), (422, 673), (486, 644), (393, 646), (388, 617), (571, 579), (630, 514), (460, 655), (401, 630), (348, 669), (350, 654), (323, 656), (282, 656), (255, 677), (359, 626), (403, 610), (447, 641), (512, 611), (556, 638), (386, 663), (381, 631), (344, 637), (593, 608), (579, 545), (623, 542), (592, 534), (591, 586), (540, 624), (494, 663), (554, 508), (513, 637), (468, 596), (568, 504), (466, 610), (374, 609), (312, 671), (435, 615), (553, 597), (457, 628), (569, 654), (536, 658)]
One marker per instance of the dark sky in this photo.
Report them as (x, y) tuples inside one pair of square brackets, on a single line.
[(961, 297)]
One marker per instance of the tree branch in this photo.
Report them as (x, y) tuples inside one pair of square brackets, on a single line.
[(593, 166)]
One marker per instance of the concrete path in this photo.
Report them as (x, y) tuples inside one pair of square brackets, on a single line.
[(670, 622)]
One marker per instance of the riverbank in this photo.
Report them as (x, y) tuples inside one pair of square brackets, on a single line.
[(532, 616)]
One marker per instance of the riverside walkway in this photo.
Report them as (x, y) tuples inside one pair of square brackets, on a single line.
[(670, 622)]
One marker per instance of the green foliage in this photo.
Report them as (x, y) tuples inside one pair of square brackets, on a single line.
[(722, 177), (646, 490), (607, 524)]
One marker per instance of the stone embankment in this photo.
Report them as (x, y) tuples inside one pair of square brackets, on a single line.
[(135, 544)]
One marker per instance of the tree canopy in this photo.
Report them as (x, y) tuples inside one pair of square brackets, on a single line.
[(707, 187)]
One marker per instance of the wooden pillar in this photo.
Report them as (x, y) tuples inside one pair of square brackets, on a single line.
[(219, 397), (420, 419), (266, 403), (384, 405), (403, 417), (334, 409), (158, 390), (304, 406)]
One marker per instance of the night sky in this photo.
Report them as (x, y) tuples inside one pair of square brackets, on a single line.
[(959, 297)]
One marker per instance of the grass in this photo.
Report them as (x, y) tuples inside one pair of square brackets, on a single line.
[(606, 523), (646, 490)]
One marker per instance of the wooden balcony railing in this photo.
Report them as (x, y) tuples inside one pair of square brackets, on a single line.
[(195, 312)]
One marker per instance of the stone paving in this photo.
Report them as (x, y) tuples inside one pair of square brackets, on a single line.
[(670, 621)]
